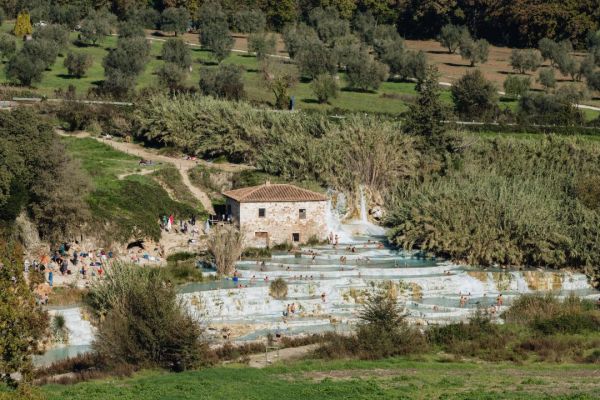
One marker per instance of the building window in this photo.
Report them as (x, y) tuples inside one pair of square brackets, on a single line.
[(262, 212), (302, 213), (295, 237)]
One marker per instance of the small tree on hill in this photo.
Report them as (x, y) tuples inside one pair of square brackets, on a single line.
[(171, 76), (249, 21), (214, 30), (516, 86), (593, 81), (95, 26), (261, 44), (23, 25), (298, 36), (54, 33), (451, 35), (474, 96), (43, 50), (546, 78), (345, 49), (280, 78), (25, 69), (128, 29), (175, 19), (525, 60), (225, 82), (176, 51), (324, 87), (365, 73), (77, 63), (8, 46), (476, 51), (315, 60), (426, 115)]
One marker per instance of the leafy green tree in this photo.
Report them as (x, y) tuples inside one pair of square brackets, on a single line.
[(23, 323), (525, 60), (328, 24), (54, 33), (225, 82), (593, 39), (171, 76), (587, 66), (315, 60), (176, 51), (297, 36), (345, 49), (385, 36), (364, 26), (451, 35), (96, 26), (476, 51), (23, 25), (365, 73), (543, 108), (68, 15), (546, 78), (567, 65), (43, 50), (78, 63), (25, 69), (404, 63), (249, 21), (516, 86), (128, 29), (571, 93), (123, 64), (261, 44), (214, 30), (280, 78), (324, 87), (8, 46), (426, 115), (175, 19), (148, 18), (556, 53), (281, 12), (474, 96), (593, 81)]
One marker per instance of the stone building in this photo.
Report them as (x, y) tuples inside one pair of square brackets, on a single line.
[(272, 214)]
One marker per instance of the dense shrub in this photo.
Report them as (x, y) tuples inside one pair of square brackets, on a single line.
[(540, 108), (175, 19), (225, 82), (324, 87), (248, 21), (278, 289), (474, 96), (77, 64), (142, 322)]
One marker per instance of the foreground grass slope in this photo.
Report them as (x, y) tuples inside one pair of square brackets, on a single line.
[(387, 379)]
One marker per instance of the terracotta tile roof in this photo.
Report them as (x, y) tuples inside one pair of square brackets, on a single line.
[(273, 193)]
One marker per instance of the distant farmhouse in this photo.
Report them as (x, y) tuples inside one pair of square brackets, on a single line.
[(272, 214)]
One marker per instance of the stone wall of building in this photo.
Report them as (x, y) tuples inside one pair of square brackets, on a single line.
[(281, 221)]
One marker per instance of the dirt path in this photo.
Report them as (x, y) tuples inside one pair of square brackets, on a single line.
[(182, 165), (289, 354)]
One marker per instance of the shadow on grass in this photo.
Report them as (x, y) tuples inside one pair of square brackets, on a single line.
[(66, 76), (358, 90), (312, 101), (439, 52), (83, 45), (98, 83), (459, 65)]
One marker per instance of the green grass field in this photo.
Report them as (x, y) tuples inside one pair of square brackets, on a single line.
[(389, 99), (385, 379), (132, 202)]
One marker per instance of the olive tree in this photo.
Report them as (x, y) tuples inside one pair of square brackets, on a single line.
[(525, 60), (225, 82), (451, 35), (280, 78), (315, 60), (546, 78), (298, 36), (177, 52), (95, 26), (249, 21), (214, 30), (476, 51), (366, 73), (261, 44), (474, 96), (25, 69), (175, 19), (516, 86), (77, 63), (8, 46), (324, 87)]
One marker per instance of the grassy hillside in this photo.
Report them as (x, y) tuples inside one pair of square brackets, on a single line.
[(387, 379), (128, 202)]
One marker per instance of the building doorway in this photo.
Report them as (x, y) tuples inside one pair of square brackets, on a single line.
[(262, 239), (295, 237)]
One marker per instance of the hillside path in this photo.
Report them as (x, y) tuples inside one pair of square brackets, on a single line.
[(181, 164)]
